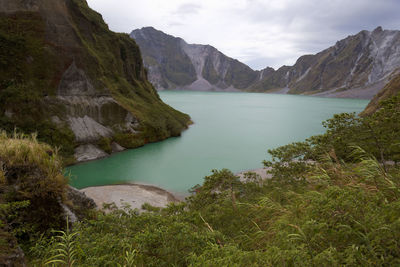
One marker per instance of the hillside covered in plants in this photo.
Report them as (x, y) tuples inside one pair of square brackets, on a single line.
[(70, 86), (80, 86), (334, 200)]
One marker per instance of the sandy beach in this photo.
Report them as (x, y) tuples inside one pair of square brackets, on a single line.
[(134, 195)]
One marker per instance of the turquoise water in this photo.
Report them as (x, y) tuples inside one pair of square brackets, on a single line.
[(231, 130)]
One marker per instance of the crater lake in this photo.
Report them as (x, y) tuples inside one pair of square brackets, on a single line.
[(230, 130)]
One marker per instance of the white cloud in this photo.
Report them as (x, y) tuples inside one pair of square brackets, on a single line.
[(258, 32)]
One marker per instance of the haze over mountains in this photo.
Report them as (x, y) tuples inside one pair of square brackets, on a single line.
[(357, 66)]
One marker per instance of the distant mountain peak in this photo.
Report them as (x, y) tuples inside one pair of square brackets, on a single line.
[(357, 66), (378, 30), (174, 64)]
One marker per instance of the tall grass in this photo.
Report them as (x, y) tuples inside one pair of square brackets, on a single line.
[(65, 250)]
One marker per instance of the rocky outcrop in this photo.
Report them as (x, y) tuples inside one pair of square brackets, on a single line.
[(175, 64), (89, 152), (91, 114), (79, 203), (80, 199), (356, 67), (115, 147), (72, 80), (390, 90)]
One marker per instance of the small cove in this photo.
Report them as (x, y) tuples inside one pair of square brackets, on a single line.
[(230, 130)]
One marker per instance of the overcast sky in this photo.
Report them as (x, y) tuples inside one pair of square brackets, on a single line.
[(259, 33)]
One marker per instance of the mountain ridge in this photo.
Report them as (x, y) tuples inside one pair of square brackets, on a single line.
[(357, 66), (204, 65)]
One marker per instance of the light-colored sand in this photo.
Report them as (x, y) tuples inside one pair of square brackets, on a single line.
[(367, 92), (134, 195)]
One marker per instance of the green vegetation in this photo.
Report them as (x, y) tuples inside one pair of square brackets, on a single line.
[(390, 90), (32, 64), (271, 80), (239, 75), (124, 75), (331, 202), (333, 199), (32, 190), (36, 169), (26, 76)]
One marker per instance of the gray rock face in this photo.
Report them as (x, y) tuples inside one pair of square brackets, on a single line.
[(79, 198), (74, 82), (115, 147), (18, 5), (88, 152), (87, 129), (355, 67), (175, 64), (81, 203), (77, 206), (68, 214), (89, 113)]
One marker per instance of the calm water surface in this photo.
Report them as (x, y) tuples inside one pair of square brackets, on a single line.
[(231, 130)]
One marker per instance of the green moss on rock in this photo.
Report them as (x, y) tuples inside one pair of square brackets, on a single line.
[(37, 47)]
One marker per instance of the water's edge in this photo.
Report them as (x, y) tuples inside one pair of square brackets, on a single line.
[(232, 130)]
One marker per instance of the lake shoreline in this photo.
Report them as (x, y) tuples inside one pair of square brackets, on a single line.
[(104, 155), (231, 131), (135, 195)]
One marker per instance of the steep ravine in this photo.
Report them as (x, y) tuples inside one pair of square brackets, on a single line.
[(81, 87)]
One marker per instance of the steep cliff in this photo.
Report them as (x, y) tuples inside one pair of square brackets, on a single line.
[(357, 66), (391, 89), (65, 75), (175, 64)]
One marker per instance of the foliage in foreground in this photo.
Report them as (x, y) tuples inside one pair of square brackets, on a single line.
[(342, 214), (32, 190), (31, 172), (332, 201)]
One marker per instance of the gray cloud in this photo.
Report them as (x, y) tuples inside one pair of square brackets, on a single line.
[(188, 9), (258, 32)]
